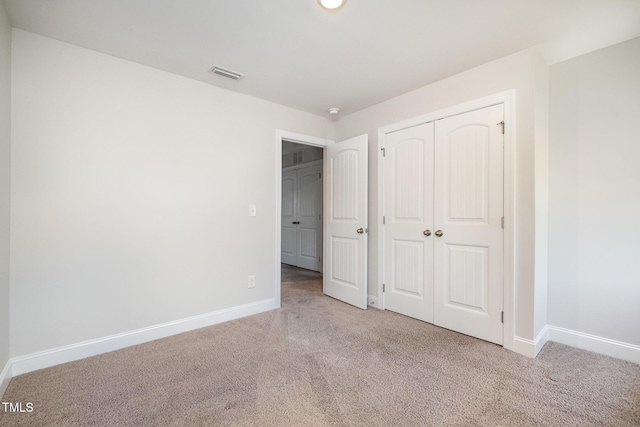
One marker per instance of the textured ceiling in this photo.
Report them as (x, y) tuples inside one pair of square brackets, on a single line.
[(295, 53)]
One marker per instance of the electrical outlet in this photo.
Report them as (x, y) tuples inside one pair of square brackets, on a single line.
[(251, 282)]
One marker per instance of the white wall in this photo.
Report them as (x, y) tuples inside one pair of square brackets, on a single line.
[(5, 184), (594, 236), (517, 71), (128, 209)]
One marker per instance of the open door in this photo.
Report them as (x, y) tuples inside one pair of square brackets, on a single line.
[(345, 271)]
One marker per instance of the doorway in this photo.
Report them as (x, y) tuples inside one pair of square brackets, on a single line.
[(286, 143), (301, 206), (344, 217)]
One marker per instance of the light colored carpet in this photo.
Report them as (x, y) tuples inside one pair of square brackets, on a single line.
[(319, 362), (295, 274)]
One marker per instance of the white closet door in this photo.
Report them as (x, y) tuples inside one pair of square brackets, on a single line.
[(345, 273), (309, 209), (288, 219), (468, 281), (408, 229)]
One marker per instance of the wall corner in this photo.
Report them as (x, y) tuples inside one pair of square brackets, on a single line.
[(541, 183)]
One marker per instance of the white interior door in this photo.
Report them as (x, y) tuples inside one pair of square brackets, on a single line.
[(288, 218), (309, 218), (345, 272), (468, 274), (408, 226)]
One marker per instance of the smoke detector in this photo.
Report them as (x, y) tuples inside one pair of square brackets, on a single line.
[(333, 111), (224, 72)]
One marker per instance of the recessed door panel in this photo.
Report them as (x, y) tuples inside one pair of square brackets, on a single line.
[(345, 186), (466, 174), (307, 247), (408, 269), (466, 280), (345, 257), (408, 169), (309, 184), (288, 242)]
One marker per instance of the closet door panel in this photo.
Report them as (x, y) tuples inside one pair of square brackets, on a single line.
[(408, 242), (468, 263)]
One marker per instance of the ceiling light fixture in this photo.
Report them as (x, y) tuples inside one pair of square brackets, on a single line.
[(331, 4), (333, 111)]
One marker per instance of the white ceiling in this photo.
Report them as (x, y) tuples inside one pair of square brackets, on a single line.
[(295, 53)]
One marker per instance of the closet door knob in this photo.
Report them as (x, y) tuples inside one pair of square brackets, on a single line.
[(360, 230), (439, 233), (427, 232)]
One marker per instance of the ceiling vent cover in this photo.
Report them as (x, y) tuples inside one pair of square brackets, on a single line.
[(233, 75)]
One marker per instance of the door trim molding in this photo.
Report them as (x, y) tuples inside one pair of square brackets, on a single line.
[(508, 99), (283, 135)]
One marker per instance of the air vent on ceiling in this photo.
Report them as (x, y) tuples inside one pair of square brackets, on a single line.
[(234, 75)]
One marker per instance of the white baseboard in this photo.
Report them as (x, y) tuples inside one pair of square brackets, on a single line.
[(606, 346), (372, 301), (530, 348), (69, 353), (541, 339), (524, 346), (5, 377)]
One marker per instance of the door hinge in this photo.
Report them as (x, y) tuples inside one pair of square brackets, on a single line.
[(384, 152), (383, 287), (384, 219), (319, 175), (502, 317), (502, 222), (320, 217), (502, 124)]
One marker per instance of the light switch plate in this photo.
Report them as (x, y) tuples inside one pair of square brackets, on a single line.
[(252, 210)]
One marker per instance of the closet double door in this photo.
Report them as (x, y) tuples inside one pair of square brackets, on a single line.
[(302, 217), (443, 235)]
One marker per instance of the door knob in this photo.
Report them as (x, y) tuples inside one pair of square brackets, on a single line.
[(295, 222), (439, 233), (427, 232), (360, 230)]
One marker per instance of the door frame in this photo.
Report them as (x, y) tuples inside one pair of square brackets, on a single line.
[(298, 138), (508, 99)]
